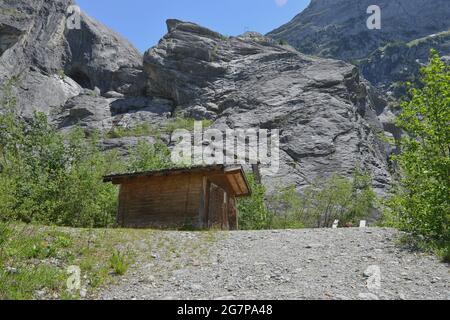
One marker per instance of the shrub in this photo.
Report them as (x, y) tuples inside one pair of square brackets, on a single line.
[(50, 177), (252, 211), (325, 201), (445, 254), (420, 203), (4, 236), (287, 208), (317, 206), (147, 157)]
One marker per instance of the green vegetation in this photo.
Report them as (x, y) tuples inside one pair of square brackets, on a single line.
[(34, 260), (148, 157), (48, 177), (180, 123), (283, 42), (253, 212), (394, 47), (317, 206), (56, 178), (337, 198), (420, 204), (61, 75), (436, 38), (286, 209), (119, 262), (145, 129)]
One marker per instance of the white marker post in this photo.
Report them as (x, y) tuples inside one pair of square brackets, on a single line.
[(336, 224), (363, 224)]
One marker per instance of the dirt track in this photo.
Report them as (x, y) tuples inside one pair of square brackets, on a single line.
[(291, 264)]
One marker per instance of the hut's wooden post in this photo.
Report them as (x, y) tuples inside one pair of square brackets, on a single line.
[(202, 213), (205, 202), (257, 173)]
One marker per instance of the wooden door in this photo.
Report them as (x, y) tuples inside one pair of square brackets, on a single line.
[(218, 213)]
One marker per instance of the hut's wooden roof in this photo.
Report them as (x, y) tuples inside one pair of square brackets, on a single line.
[(234, 174)]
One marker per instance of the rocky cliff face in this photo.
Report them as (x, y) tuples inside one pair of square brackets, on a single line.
[(321, 106), (388, 57), (53, 63), (94, 78), (337, 29), (400, 61)]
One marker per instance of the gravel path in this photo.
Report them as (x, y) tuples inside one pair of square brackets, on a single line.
[(301, 264)]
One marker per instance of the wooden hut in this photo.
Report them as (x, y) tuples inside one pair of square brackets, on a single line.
[(198, 198)]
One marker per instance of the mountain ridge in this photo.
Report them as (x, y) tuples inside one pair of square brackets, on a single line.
[(337, 29)]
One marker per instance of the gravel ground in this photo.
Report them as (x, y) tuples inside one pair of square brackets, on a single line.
[(293, 264)]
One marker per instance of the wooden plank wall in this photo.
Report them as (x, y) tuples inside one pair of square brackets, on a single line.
[(188, 200), (163, 202)]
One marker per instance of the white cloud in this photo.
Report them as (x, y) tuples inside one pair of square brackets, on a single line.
[(281, 3)]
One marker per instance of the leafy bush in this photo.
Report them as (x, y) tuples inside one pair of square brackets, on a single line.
[(57, 178), (317, 206), (420, 203), (252, 211), (52, 178), (325, 201), (147, 157), (445, 254), (286, 205), (4, 236)]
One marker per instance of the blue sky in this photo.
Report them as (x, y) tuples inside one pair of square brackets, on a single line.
[(143, 21)]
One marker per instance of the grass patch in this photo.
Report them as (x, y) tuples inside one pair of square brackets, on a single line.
[(146, 130), (181, 123), (30, 282), (34, 260), (436, 37), (11, 12), (142, 130), (119, 262)]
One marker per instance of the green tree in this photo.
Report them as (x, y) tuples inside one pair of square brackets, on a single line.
[(288, 209), (421, 201), (338, 198), (252, 211), (148, 157), (52, 178)]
